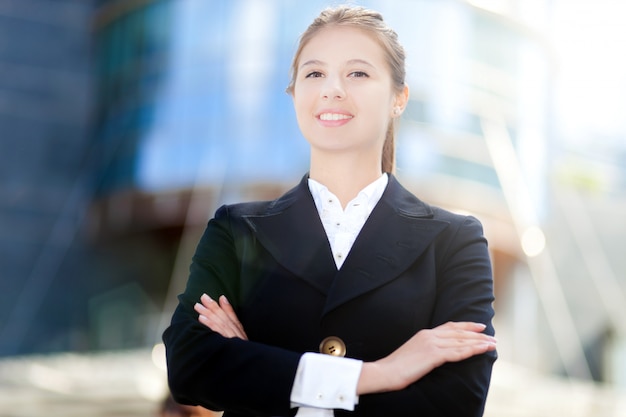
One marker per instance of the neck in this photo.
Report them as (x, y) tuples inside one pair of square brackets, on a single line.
[(345, 177)]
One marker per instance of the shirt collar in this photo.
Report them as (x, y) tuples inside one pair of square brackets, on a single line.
[(370, 194)]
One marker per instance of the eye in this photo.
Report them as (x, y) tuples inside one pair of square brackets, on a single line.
[(358, 74), (313, 74)]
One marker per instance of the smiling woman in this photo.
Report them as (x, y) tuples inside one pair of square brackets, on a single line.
[(352, 91), (348, 293)]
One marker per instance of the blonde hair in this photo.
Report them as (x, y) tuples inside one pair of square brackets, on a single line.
[(372, 22)]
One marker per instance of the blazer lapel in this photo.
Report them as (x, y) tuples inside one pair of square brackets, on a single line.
[(292, 232), (397, 232)]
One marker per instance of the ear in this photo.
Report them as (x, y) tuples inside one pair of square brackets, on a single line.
[(400, 101)]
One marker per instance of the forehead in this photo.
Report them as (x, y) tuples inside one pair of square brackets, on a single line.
[(343, 43)]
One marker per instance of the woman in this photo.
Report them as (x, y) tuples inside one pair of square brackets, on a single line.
[(347, 295)]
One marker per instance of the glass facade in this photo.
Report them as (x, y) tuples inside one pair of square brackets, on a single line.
[(131, 52), (108, 176), (193, 91), (205, 98), (191, 96), (45, 170)]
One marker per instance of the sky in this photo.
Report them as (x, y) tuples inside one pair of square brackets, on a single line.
[(590, 39)]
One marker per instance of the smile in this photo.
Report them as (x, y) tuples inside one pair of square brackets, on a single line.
[(334, 116)]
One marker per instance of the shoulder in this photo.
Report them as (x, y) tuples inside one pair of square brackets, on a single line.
[(454, 218), (407, 203), (243, 210), (239, 210), (462, 226)]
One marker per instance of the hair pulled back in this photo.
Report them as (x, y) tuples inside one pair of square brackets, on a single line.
[(373, 23)]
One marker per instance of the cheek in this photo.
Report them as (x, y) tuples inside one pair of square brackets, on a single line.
[(299, 109), (377, 99), (303, 112), (302, 102)]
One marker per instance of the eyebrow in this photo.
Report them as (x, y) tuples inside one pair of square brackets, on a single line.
[(350, 62)]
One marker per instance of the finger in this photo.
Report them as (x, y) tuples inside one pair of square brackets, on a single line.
[(200, 309), (231, 317), (211, 315), (452, 338), (470, 349), (204, 316), (463, 341), (212, 322), (464, 325), (453, 342), (230, 312), (209, 303), (222, 317), (228, 309), (213, 307), (464, 330), (461, 347)]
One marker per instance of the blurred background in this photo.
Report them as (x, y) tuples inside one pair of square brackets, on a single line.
[(125, 123)]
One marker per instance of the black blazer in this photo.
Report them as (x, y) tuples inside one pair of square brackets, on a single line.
[(412, 267)]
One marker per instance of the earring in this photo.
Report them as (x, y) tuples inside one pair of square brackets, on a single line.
[(396, 111)]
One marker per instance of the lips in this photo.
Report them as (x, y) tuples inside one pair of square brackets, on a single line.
[(334, 116)]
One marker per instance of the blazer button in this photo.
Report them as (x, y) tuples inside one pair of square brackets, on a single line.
[(334, 346)]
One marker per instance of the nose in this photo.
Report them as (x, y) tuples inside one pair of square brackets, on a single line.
[(333, 89)]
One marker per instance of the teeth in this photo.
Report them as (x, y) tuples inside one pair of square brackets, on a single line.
[(334, 116)]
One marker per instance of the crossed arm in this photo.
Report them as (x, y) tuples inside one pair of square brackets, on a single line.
[(425, 351)]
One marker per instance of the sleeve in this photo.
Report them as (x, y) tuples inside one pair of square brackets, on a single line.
[(464, 293), (221, 373), (324, 381)]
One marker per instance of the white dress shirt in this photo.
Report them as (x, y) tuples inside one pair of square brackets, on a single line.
[(325, 382)]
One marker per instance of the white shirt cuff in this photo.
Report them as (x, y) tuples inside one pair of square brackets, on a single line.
[(324, 381)]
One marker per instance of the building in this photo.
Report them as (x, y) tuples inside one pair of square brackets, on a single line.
[(46, 165), (188, 111)]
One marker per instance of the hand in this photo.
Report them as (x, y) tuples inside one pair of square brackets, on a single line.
[(220, 318), (425, 351)]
